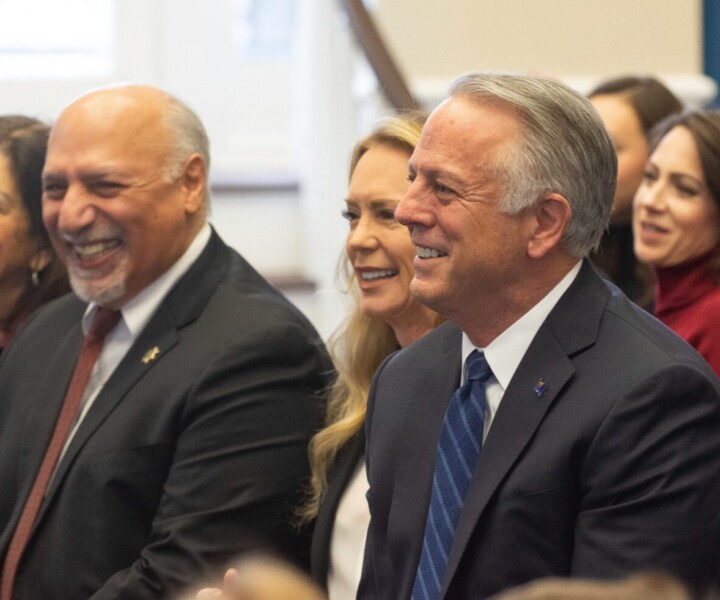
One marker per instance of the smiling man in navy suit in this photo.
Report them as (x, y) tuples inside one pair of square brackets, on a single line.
[(189, 446), (594, 442)]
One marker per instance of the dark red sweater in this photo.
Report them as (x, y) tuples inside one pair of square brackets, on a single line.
[(687, 299)]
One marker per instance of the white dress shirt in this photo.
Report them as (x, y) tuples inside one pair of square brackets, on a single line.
[(347, 545)]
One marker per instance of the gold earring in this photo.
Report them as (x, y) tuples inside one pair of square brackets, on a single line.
[(35, 278)]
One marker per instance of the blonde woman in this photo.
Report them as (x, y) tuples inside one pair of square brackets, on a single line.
[(378, 268)]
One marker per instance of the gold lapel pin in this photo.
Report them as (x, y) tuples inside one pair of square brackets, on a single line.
[(151, 355)]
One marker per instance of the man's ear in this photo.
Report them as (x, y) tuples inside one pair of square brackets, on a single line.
[(194, 180), (552, 215)]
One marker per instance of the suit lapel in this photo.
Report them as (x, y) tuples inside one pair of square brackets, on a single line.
[(343, 469), (570, 327), (436, 376), (40, 425), (160, 333), (59, 373), (345, 466)]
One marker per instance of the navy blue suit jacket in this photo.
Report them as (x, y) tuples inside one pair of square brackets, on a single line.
[(613, 469)]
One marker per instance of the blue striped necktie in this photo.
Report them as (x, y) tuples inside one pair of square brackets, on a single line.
[(457, 454)]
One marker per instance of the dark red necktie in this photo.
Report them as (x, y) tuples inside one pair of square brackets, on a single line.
[(103, 322)]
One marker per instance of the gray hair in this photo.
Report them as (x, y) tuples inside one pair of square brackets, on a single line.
[(188, 137), (565, 149)]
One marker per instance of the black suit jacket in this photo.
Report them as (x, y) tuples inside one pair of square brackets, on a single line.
[(613, 469), (339, 477), (184, 460)]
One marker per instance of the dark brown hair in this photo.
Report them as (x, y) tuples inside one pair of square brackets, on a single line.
[(650, 99), (23, 140), (704, 127)]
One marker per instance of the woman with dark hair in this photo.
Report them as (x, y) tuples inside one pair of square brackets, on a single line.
[(629, 107), (30, 272), (676, 222)]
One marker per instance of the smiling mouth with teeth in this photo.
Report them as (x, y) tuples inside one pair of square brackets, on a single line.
[(372, 275), (90, 251), (424, 252), (652, 228)]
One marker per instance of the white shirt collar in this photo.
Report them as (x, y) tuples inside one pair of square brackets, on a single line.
[(138, 310), (506, 351)]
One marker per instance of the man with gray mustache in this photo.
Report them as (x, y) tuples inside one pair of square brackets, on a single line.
[(187, 443)]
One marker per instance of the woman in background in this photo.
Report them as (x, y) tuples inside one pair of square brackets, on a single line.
[(30, 272), (676, 222), (378, 268), (629, 107)]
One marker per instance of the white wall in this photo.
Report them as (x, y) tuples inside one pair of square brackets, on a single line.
[(561, 37)]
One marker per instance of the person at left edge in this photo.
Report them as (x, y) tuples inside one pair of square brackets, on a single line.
[(31, 274), (191, 445)]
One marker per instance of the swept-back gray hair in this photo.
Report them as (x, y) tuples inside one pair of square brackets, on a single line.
[(564, 149), (188, 137)]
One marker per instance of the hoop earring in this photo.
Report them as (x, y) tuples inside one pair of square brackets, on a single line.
[(35, 278)]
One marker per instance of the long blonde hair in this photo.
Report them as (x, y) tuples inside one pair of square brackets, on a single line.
[(361, 343)]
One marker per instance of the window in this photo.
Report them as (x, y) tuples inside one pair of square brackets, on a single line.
[(263, 29), (51, 39)]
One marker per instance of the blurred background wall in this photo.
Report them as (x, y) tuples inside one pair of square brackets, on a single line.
[(284, 88)]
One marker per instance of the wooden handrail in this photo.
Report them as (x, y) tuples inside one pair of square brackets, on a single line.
[(386, 70)]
